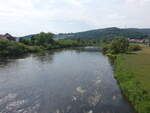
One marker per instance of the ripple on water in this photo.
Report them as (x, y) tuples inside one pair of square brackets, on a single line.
[(67, 81)]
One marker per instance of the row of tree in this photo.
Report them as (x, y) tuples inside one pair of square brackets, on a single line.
[(45, 41), (38, 42), (118, 45)]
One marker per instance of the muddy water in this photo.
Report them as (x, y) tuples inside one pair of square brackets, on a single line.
[(66, 81)]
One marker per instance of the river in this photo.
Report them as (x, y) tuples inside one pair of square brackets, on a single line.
[(62, 81)]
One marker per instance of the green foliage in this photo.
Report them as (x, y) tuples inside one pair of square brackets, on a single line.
[(16, 48), (34, 49), (105, 48), (42, 39), (75, 43), (3, 43), (38, 42), (26, 41), (11, 48), (131, 87), (107, 32), (68, 43), (134, 47), (117, 45), (106, 40)]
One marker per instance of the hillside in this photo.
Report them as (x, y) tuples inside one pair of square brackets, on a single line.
[(102, 33), (27, 36), (107, 32)]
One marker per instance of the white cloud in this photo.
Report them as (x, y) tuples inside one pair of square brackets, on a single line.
[(21, 17)]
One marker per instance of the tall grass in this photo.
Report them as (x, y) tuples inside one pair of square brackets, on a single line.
[(130, 86)]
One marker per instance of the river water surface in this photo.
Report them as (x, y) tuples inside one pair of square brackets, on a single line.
[(66, 81)]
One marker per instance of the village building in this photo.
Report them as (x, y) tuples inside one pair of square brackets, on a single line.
[(8, 36), (138, 40)]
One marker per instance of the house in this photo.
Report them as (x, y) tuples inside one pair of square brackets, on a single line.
[(145, 41), (8, 36), (137, 40)]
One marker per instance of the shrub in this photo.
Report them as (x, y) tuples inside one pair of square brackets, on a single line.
[(105, 48), (16, 48), (118, 45), (26, 41), (34, 48), (134, 47), (42, 39), (12, 48)]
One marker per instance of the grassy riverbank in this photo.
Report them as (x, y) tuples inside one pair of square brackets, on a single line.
[(133, 74)]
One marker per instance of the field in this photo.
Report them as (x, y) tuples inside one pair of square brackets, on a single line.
[(133, 74)]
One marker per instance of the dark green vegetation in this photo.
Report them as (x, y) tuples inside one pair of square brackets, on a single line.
[(115, 46), (37, 43), (106, 33), (133, 74), (46, 41), (43, 40), (12, 48), (134, 47), (118, 45), (132, 70)]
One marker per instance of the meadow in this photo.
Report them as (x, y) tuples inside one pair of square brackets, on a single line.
[(133, 74)]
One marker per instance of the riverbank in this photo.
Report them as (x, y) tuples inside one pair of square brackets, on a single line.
[(12, 48), (37, 43), (133, 74)]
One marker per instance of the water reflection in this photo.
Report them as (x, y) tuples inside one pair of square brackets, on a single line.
[(67, 81)]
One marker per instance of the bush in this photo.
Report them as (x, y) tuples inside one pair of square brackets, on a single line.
[(117, 45), (34, 49), (12, 48), (134, 47), (26, 41), (42, 39), (67, 43), (16, 49), (105, 48)]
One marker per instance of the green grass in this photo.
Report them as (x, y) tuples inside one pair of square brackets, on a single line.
[(133, 74)]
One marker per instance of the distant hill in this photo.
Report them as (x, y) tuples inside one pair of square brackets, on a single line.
[(27, 36), (106, 33), (146, 31), (102, 33)]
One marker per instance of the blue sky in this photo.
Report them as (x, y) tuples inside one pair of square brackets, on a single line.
[(22, 17)]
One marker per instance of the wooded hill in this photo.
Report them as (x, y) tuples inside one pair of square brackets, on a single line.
[(106, 33)]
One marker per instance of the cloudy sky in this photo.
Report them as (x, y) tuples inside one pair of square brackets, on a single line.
[(22, 17)]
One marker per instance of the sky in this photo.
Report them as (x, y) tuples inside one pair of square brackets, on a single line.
[(23, 17)]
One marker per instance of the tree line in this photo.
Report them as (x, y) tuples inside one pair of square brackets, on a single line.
[(37, 43), (118, 45)]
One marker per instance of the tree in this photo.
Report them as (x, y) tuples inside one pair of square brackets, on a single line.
[(12, 48), (3, 44), (42, 39), (119, 45), (16, 49), (26, 41), (78, 40)]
